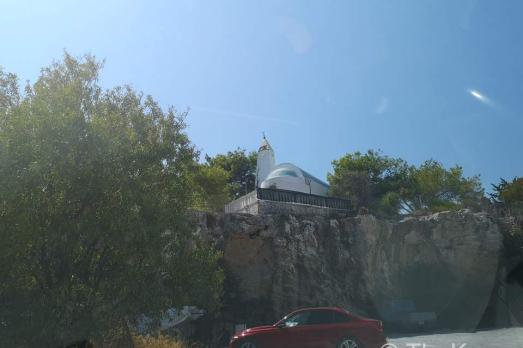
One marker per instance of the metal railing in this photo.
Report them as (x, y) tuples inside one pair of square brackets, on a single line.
[(302, 198)]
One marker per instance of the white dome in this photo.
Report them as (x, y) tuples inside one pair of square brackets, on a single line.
[(287, 176)]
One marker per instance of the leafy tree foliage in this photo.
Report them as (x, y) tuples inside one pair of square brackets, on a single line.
[(509, 194), (371, 180), (434, 188), (241, 169), (212, 188), (9, 91), (389, 186), (94, 187)]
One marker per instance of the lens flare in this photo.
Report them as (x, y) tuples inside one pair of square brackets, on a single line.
[(479, 96)]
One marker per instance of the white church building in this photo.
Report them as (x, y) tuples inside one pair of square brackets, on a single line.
[(286, 188), (285, 176)]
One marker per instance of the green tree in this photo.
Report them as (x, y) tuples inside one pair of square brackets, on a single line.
[(241, 169), (370, 180), (212, 189), (94, 187), (9, 92), (434, 188), (510, 194), (389, 186)]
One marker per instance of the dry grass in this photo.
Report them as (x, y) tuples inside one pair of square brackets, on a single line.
[(157, 342)]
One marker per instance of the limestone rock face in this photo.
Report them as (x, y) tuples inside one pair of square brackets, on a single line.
[(444, 263)]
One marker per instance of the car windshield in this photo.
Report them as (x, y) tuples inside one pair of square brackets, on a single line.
[(185, 173)]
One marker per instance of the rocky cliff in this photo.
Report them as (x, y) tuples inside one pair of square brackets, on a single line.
[(445, 264)]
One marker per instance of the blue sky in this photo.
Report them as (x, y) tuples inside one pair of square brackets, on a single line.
[(416, 79)]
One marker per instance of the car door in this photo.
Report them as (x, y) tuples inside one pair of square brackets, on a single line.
[(295, 333), (339, 328), (320, 329)]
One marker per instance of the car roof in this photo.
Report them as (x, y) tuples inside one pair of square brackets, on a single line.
[(336, 309)]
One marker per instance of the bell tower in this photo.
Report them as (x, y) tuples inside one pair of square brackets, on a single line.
[(266, 161)]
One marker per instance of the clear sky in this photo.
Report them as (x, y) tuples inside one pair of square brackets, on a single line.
[(416, 79)]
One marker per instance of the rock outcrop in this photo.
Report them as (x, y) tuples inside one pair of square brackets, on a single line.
[(445, 264)]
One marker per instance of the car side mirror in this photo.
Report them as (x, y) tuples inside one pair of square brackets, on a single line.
[(281, 325)]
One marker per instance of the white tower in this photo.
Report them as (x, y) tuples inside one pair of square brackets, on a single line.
[(265, 163)]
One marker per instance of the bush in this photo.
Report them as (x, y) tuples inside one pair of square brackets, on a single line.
[(159, 341)]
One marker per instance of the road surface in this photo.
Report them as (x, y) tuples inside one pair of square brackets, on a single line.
[(501, 338)]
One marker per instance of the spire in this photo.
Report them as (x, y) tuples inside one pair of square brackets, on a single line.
[(264, 144), (265, 161)]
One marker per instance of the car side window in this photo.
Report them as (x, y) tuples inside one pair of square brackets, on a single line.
[(339, 317), (298, 319), (319, 317)]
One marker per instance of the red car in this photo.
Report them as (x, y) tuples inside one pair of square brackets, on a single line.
[(315, 328)]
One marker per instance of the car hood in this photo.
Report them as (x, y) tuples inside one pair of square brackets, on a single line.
[(259, 329)]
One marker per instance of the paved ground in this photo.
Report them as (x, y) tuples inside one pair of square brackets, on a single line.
[(502, 338)]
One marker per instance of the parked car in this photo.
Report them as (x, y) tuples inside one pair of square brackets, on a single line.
[(326, 327)]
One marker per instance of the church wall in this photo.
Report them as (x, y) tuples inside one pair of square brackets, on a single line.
[(318, 189), (286, 183), (249, 204), (272, 207), (297, 184)]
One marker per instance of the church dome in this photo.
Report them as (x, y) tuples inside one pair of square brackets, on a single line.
[(285, 170), (284, 176), (287, 176)]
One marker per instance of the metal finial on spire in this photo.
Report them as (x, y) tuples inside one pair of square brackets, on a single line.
[(264, 144)]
